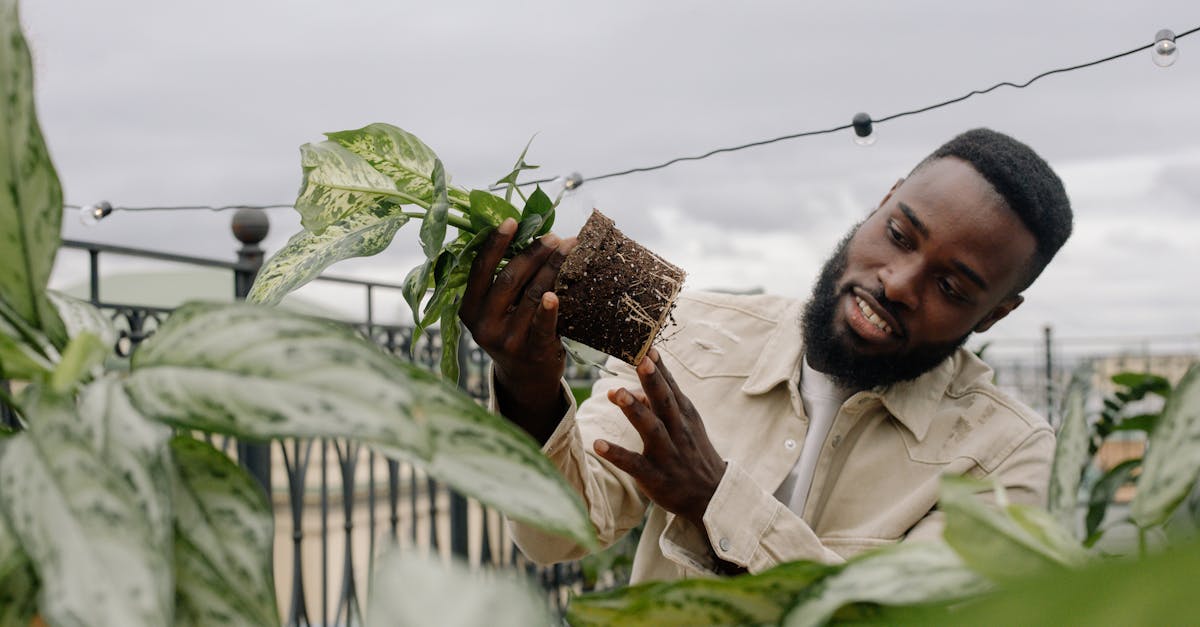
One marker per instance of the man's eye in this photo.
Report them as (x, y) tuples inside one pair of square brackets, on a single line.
[(897, 236), (948, 288)]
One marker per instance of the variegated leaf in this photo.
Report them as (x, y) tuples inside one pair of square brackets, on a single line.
[(18, 584), (223, 542), (80, 316), (18, 360), (1070, 455), (744, 600), (306, 254), (992, 542), (82, 357), (1172, 461), (94, 537), (903, 574), (410, 589), (395, 153), (261, 373), (30, 195), (338, 183)]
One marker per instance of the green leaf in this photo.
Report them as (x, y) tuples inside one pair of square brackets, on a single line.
[(306, 254), (260, 373), (1103, 492), (539, 204), (223, 542), (433, 227), (1172, 461), (901, 574), (96, 534), (18, 583), (414, 288), (510, 179), (338, 184), (747, 599), (31, 204), (1140, 422), (1142, 383), (417, 590), (80, 316), (451, 334), (1110, 593), (18, 360), (1071, 453), (84, 354), (488, 211), (991, 541), (395, 153)]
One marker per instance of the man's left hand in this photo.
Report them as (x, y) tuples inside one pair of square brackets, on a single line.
[(678, 467)]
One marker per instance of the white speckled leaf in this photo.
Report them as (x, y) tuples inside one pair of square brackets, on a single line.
[(902, 574), (997, 544), (307, 254), (262, 373), (410, 589), (1070, 455), (224, 532), (18, 584), (338, 183), (1172, 460), (395, 153), (744, 600), (94, 535), (30, 195), (80, 316)]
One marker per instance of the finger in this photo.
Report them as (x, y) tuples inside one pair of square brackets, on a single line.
[(654, 434), (659, 394), (513, 279), (543, 329), (636, 465), (483, 268), (529, 304), (681, 399)]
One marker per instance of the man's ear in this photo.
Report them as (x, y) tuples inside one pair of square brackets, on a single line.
[(1005, 307), (888, 195)]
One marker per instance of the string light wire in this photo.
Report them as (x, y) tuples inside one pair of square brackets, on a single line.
[(575, 180)]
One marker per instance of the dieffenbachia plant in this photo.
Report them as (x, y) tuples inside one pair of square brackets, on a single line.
[(985, 546), (109, 518), (361, 186)]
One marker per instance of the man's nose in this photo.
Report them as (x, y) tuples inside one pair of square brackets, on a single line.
[(901, 283)]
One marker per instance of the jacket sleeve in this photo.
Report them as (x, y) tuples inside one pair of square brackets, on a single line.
[(614, 503), (747, 526)]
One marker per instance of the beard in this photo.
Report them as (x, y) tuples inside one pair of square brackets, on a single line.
[(831, 349)]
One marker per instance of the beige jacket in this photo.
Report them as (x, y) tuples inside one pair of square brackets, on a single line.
[(876, 481)]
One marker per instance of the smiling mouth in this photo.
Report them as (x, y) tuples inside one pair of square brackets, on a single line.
[(871, 316)]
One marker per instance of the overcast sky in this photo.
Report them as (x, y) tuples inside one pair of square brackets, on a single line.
[(173, 103)]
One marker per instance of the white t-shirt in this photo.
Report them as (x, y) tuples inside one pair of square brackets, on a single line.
[(821, 398)]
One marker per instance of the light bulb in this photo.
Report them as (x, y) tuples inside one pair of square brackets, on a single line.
[(863, 134), (573, 181), (1165, 51), (89, 215)]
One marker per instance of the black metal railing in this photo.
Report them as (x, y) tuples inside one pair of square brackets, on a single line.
[(336, 502)]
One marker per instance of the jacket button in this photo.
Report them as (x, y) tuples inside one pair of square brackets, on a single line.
[(789, 444), (724, 544)]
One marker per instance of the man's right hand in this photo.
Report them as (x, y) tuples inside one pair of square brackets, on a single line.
[(513, 317)]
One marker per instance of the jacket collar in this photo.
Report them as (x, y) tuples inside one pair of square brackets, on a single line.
[(913, 403)]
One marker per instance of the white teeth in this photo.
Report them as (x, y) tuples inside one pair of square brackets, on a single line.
[(872, 316)]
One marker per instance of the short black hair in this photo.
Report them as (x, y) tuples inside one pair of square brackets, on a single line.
[(1025, 181)]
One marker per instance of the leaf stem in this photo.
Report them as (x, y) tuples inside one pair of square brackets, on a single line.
[(458, 222)]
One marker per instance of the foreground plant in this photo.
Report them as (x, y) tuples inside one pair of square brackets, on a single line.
[(361, 186), (981, 571), (111, 513)]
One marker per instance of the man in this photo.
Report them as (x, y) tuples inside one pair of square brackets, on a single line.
[(763, 430)]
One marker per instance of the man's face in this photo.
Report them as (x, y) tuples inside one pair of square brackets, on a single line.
[(941, 257)]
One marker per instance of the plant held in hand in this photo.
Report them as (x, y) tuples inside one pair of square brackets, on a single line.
[(361, 186)]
